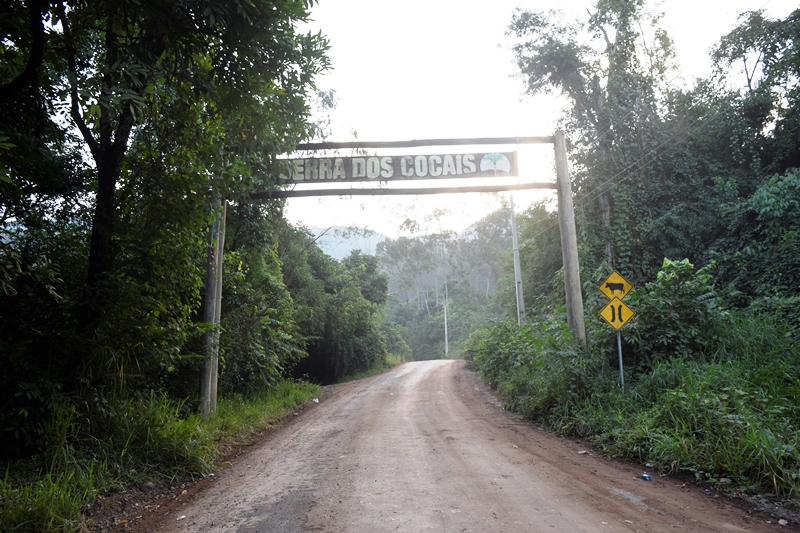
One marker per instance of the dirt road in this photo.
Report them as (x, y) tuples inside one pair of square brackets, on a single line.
[(426, 447)]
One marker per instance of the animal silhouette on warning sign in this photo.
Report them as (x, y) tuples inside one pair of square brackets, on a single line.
[(615, 287)]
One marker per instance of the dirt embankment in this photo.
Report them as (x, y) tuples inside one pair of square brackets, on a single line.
[(426, 447)]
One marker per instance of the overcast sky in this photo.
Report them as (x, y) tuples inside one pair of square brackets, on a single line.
[(426, 69)]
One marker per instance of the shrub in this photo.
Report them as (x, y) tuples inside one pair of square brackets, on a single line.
[(678, 314), (533, 366)]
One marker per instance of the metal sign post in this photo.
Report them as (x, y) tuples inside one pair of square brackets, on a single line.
[(517, 269), (616, 312), (619, 351)]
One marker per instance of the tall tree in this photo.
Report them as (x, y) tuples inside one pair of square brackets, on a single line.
[(241, 61), (109, 65), (765, 54), (207, 91), (615, 90), (339, 307)]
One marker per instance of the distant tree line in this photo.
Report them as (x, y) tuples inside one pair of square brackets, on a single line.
[(471, 271)]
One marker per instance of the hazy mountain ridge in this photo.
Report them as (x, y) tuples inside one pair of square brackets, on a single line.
[(339, 241)]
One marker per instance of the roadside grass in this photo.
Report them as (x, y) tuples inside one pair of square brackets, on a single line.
[(729, 415), (240, 417), (149, 438), (53, 502)]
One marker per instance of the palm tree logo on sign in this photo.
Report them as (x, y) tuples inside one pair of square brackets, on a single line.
[(495, 162)]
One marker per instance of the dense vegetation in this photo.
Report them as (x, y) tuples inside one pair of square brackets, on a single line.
[(706, 177), (121, 124), (708, 390)]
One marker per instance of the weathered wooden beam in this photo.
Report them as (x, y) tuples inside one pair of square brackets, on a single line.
[(268, 195), (425, 142)]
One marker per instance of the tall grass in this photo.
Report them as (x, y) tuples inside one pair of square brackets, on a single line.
[(149, 437), (51, 503)]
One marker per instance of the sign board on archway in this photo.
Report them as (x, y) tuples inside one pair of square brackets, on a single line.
[(408, 167), (404, 167)]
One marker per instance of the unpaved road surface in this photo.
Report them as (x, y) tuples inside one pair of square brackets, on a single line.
[(426, 447)]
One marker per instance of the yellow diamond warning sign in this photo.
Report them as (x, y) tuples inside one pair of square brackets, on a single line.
[(615, 286), (617, 313)]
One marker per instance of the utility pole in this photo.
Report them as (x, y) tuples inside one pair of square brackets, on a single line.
[(517, 268), (212, 310), (446, 342), (569, 242)]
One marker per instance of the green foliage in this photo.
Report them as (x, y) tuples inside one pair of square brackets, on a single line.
[(260, 340), (759, 258), (733, 421), (351, 340), (678, 314), (131, 439), (338, 308), (130, 78), (464, 272), (35, 321), (25, 415), (240, 416), (374, 284), (102, 259), (645, 152), (119, 123), (498, 351), (661, 171), (395, 336), (156, 291), (540, 252), (766, 51), (53, 503)]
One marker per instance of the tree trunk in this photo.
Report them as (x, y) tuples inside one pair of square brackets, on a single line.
[(108, 156), (605, 213), (100, 253)]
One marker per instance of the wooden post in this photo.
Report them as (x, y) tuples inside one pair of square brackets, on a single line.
[(569, 242), (212, 311)]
